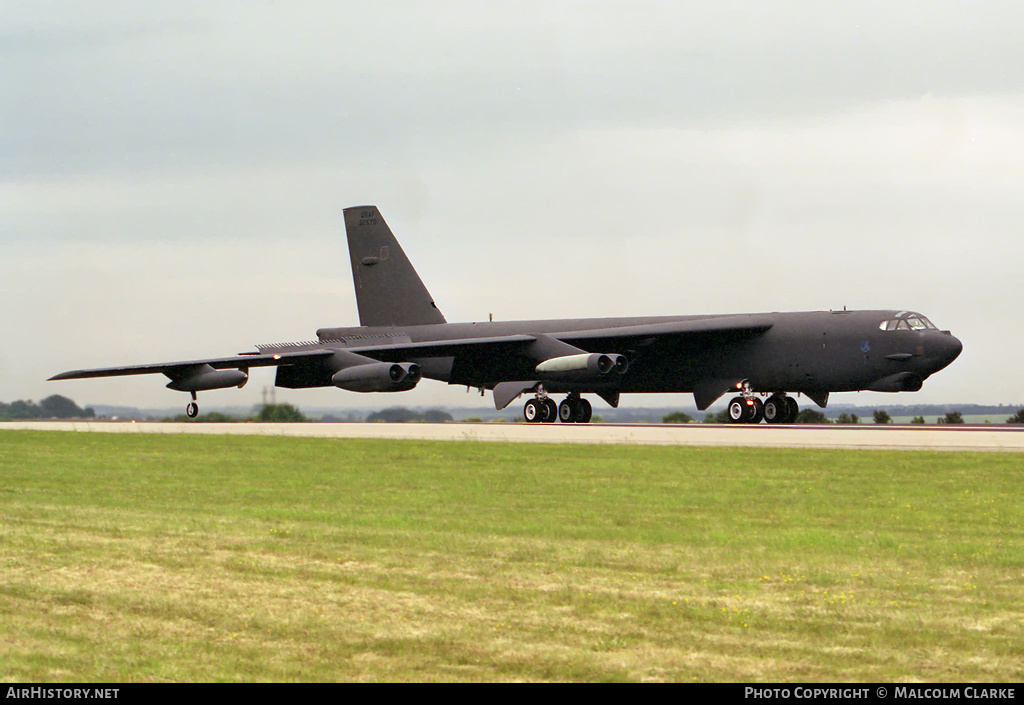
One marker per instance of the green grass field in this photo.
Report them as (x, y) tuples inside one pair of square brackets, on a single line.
[(198, 558)]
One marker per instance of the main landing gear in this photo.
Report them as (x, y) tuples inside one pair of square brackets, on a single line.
[(575, 409), (778, 408), (542, 409)]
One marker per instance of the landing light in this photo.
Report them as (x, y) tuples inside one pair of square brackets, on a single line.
[(277, 357)]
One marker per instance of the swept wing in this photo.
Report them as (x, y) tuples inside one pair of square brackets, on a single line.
[(218, 363)]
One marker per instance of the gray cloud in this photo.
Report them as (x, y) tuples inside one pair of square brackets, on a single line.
[(244, 83)]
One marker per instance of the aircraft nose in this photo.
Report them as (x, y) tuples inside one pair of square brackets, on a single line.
[(947, 347)]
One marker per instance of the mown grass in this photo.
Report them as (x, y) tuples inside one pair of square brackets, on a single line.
[(133, 557)]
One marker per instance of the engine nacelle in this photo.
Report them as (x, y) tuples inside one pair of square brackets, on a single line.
[(378, 377), (583, 366), (199, 378)]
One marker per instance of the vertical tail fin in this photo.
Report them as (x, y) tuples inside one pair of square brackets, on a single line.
[(389, 292)]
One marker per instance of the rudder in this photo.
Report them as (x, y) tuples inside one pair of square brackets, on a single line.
[(389, 292)]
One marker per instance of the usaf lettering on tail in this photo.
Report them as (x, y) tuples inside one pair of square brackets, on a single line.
[(762, 358)]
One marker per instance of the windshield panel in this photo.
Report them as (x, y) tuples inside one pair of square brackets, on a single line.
[(907, 320)]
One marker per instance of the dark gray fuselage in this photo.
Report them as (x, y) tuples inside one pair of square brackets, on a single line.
[(815, 351)]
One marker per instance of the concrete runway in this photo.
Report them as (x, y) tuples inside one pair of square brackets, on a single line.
[(977, 438)]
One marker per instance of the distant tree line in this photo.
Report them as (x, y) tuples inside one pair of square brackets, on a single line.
[(52, 407), (399, 414), (286, 413), (268, 413), (677, 417)]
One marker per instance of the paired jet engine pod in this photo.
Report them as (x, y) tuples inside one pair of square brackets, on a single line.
[(198, 378), (378, 377), (583, 366)]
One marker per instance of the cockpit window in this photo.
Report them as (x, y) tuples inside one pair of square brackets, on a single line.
[(907, 320)]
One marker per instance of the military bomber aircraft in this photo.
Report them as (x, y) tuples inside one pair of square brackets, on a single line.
[(762, 358)]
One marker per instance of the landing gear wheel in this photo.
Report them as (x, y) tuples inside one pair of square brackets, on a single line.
[(569, 410), (550, 410), (737, 410), (192, 410), (776, 410), (794, 410), (532, 411), (755, 411), (586, 412)]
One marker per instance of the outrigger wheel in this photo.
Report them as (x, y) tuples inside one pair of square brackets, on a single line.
[(192, 409)]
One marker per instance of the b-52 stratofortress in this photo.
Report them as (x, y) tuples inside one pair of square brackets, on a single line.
[(762, 358)]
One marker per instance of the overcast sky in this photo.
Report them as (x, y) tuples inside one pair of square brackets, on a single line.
[(174, 174)]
